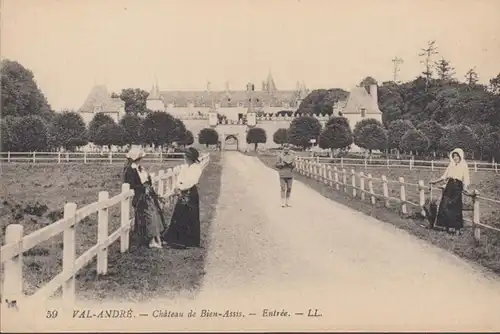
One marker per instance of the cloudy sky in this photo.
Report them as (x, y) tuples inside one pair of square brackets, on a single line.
[(71, 45)]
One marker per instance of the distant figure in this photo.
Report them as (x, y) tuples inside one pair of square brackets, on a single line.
[(184, 229), (450, 215), (149, 218), (285, 167)]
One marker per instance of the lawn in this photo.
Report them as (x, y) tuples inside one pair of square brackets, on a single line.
[(486, 253), (34, 196)]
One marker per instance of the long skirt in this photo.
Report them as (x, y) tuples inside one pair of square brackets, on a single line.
[(450, 213), (184, 229), (149, 219)]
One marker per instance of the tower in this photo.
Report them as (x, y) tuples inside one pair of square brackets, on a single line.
[(396, 62), (154, 100)]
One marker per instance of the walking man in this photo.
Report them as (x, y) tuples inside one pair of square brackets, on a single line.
[(285, 167)]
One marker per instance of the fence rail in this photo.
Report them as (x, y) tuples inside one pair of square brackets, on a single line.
[(367, 163), (82, 157), (16, 243), (338, 178)]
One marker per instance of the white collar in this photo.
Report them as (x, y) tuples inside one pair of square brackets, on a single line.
[(134, 165)]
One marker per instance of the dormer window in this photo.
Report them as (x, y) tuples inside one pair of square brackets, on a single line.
[(363, 112)]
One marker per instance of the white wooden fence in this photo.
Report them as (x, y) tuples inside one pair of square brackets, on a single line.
[(82, 157), (16, 243), (396, 163), (338, 178)]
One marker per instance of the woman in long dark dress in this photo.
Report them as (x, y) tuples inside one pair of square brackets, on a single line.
[(450, 212), (184, 229), (149, 220)]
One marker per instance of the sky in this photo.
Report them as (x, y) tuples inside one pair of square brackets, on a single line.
[(71, 45)]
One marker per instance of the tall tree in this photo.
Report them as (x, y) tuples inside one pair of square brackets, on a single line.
[(495, 84), (370, 134), (20, 95), (414, 141), (159, 128), (471, 77), (367, 82), (445, 71), (428, 54), (336, 135), (396, 130), (68, 130), (135, 100), (109, 135), (321, 101), (433, 131)]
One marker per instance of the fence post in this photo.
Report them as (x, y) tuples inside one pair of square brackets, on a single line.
[(432, 165), (110, 156), (341, 162), (362, 185), (125, 219), (34, 156), (325, 174), (84, 157), (366, 164), (69, 252), (411, 164), (102, 234), (59, 157), (402, 195), (385, 190), (421, 194), (8, 156), (387, 162), (67, 156), (161, 155), (476, 217), (336, 177), (13, 268), (153, 175), (344, 179), (475, 166), (330, 175), (353, 182), (370, 189), (161, 182)]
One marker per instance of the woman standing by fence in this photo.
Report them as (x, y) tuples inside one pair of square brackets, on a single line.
[(149, 219), (184, 229), (450, 215)]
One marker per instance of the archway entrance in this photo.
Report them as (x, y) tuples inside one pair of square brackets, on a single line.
[(231, 142)]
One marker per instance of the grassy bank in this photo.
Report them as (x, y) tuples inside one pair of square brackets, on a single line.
[(485, 253), (34, 196), (142, 273)]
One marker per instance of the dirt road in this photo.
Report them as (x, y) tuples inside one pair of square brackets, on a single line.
[(357, 271)]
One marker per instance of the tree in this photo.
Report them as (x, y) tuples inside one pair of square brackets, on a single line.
[(336, 135), (428, 53), (186, 139), (370, 134), (367, 82), (179, 130), (433, 131), (6, 142), (414, 141), (485, 139), (302, 130), (110, 134), (321, 101), (459, 136), (20, 95), (371, 137), (97, 121), (445, 71), (280, 136), (471, 77), (135, 100), (208, 136), (159, 128), (495, 84), (256, 136), (68, 130), (396, 130), (131, 125), (29, 133)]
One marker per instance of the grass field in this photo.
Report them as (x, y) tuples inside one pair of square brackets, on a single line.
[(486, 253), (34, 196)]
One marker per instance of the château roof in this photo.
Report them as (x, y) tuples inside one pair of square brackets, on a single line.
[(99, 95), (359, 98)]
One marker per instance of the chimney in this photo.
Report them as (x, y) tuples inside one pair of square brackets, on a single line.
[(373, 93)]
